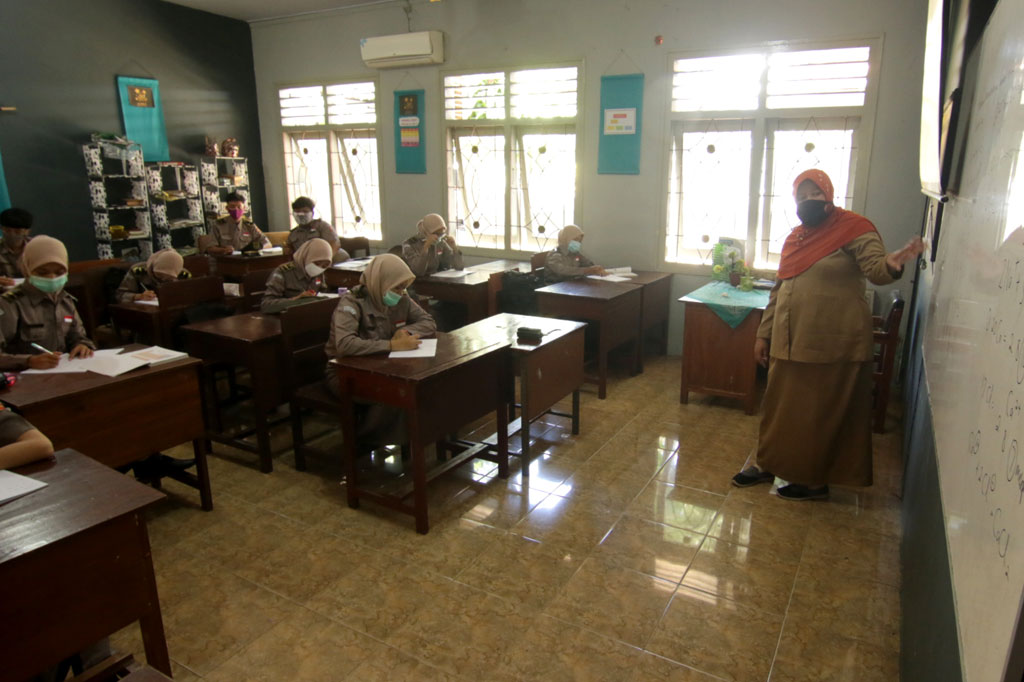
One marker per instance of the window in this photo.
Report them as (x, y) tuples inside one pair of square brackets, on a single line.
[(511, 156), (330, 154), (745, 125)]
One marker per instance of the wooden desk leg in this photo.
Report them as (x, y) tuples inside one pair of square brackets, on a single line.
[(602, 361), (348, 447), (151, 624), (419, 473), (524, 423), (750, 401), (576, 412), (502, 414), (203, 473), (263, 442)]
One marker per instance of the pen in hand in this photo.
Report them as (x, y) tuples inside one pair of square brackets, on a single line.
[(48, 359)]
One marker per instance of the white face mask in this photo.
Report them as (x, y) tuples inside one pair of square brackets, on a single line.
[(303, 218), (314, 270)]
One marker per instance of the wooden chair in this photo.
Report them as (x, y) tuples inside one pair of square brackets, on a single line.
[(254, 284), (87, 283), (396, 250), (198, 264), (178, 296), (354, 245), (538, 261), (277, 238), (886, 338), (304, 332)]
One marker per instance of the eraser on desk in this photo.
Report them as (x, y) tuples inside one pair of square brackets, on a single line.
[(529, 334)]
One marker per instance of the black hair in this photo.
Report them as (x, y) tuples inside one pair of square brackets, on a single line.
[(234, 196), (303, 202), (17, 218)]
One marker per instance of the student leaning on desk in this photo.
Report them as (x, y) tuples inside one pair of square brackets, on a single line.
[(141, 281), (15, 224), (40, 314), (234, 232), (431, 248), (377, 316), (567, 261), (303, 278)]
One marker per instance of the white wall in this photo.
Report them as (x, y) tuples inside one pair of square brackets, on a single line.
[(622, 214)]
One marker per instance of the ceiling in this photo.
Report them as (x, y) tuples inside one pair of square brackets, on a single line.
[(258, 10)]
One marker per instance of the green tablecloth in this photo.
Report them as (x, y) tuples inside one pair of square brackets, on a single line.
[(729, 303)]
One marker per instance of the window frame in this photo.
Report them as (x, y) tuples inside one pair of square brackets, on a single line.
[(760, 118), (327, 130), (508, 126)]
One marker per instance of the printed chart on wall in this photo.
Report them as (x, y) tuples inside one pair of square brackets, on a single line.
[(410, 154), (974, 358)]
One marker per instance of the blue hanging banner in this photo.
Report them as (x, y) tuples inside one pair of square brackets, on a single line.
[(5, 198), (622, 101), (410, 153), (143, 114)]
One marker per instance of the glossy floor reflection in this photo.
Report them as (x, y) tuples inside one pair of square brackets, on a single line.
[(625, 555)]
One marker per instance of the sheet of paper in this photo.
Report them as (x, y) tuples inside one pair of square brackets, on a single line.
[(232, 289), (153, 301), (624, 271), (113, 365), (156, 355), (327, 294), (451, 273), (272, 251), (609, 278), (64, 366), (17, 281), (427, 349), (14, 485)]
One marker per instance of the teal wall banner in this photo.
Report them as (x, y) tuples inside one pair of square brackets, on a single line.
[(5, 198), (143, 114), (410, 153), (622, 101)]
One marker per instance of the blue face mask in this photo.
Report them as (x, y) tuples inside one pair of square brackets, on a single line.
[(50, 285), (391, 299), (574, 246)]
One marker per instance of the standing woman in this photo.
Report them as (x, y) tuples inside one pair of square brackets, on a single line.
[(41, 312), (141, 281), (303, 278), (431, 248), (816, 340), (568, 261)]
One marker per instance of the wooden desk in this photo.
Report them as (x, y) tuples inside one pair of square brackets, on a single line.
[(501, 265), (718, 359), (140, 319), (75, 566), (655, 290), (469, 290), (548, 371), (614, 309), (120, 420), (345, 274), (252, 340), (465, 380), (233, 268)]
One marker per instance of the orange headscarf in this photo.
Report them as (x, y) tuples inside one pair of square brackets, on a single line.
[(805, 246)]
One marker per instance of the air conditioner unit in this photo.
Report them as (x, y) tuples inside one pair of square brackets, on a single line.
[(404, 49)]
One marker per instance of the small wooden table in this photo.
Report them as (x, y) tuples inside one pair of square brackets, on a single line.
[(346, 274), (121, 420), (655, 290), (75, 566), (252, 340), (233, 268), (548, 371), (464, 381), (614, 308), (142, 320), (470, 290), (719, 359)]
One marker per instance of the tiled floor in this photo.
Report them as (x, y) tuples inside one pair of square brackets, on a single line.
[(625, 555)]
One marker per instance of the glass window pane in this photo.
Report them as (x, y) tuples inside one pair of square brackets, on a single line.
[(307, 174), (731, 82), (543, 187), (476, 186), (351, 103), (356, 186), (544, 93), (302, 106), (474, 96), (818, 78)]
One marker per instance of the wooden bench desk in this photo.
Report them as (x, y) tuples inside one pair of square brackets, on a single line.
[(345, 274), (121, 420), (234, 267), (75, 566), (469, 290), (655, 291), (613, 308), (464, 381)]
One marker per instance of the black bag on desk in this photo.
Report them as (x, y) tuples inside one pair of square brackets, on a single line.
[(517, 293)]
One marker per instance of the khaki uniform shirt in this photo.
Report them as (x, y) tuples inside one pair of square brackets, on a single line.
[(360, 328), (226, 232), (9, 260), (440, 257), (300, 234), (28, 316), (821, 315), (285, 282), (561, 266), (138, 280)]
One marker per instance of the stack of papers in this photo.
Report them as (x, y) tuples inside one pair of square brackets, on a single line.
[(609, 278), (152, 301), (272, 251), (13, 486), (427, 349), (621, 272), (112, 362)]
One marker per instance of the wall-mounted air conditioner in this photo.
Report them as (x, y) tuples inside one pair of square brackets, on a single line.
[(404, 49)]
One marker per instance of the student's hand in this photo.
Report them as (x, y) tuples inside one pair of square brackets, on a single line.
[(145, 296), (81, 351), (761, 347), (43, 360), (430, 240), (595, 270), (896, 259), (403, 340), (220, 250), (6, 282), (451, 241), (304, 294)]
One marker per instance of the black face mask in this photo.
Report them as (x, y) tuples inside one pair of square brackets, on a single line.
[(812, 212)]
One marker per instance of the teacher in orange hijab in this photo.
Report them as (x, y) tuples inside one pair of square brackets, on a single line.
[(816, 340)]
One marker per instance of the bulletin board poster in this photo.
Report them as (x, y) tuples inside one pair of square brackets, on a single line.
[(622, 99), (410, 151), (143, 115), (5, 198)]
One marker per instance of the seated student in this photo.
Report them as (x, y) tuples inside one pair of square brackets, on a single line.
[(15, 224), (430, 250), (41, 312), (234, 232), (20, 442), (310, 228), (567, 261), (377, 316), (303, 278), (141, 281)]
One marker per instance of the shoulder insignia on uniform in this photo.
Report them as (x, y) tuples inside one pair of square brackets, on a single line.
[(14, 293), (288, 266), (350, 309), (139, 269), (184, 274)]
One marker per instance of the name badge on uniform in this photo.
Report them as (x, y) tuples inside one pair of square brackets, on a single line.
[(399, 325), (68, 319), (245, 234)]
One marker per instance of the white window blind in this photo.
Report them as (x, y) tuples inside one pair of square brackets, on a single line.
[(351, 103)]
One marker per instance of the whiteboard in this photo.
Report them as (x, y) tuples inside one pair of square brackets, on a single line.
[(974, 359)]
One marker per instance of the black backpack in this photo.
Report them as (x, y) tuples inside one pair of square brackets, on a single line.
[(517, 293)]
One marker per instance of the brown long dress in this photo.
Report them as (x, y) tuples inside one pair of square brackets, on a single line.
[(816, 413)]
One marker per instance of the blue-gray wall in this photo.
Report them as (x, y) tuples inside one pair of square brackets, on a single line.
[(58, 63)]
